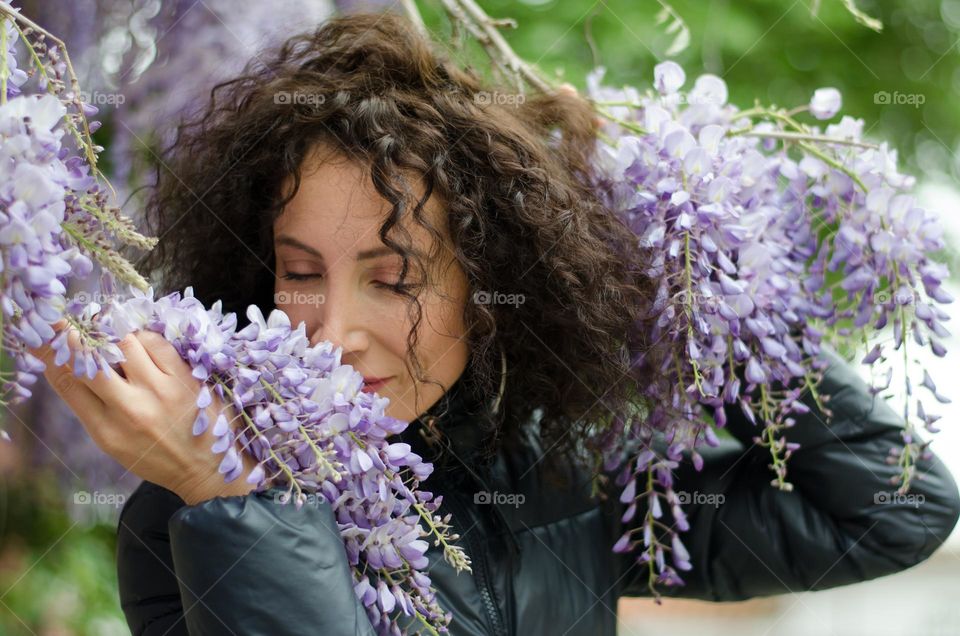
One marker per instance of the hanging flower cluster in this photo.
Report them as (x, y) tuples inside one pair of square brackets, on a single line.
[(767, 236), (56, 219), (303, 417), (295, 409)]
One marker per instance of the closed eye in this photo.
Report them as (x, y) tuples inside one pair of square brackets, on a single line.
[(292, 276), (406, 287)]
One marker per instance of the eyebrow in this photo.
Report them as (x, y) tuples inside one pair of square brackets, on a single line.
[(362, 255)]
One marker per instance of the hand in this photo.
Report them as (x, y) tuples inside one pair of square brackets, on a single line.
[(144, 418)]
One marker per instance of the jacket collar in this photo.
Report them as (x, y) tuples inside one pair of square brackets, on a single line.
[(455, 433)]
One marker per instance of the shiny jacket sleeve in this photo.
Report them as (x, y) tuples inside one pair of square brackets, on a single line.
[(149, 595), (240, 565), (841, 524)]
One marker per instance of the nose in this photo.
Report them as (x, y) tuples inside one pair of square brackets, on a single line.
[(341, 322)]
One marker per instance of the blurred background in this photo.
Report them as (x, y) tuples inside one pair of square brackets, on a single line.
[(145, 64)]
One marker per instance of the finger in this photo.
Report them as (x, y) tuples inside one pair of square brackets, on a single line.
[(106, 384), (137, 365), (162, 352), (81, 399)]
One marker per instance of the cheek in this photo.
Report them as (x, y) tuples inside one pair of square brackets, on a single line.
[(442, 338), (300, 306)]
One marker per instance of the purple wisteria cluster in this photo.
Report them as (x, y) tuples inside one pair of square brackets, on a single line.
[(302, 415), (56, 220), (142, 62), (768, 237), (293, 408)]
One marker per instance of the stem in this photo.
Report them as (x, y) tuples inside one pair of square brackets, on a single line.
[(801, 137), (321, 458), (280, 463), (4, 68), (813, 150), (688, 309), (425, 515), (631, 126), (410, 8), (83, 137), (771, 441), (484, 29), (651, 549)]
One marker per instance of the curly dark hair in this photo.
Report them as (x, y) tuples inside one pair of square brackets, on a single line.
[(513, 177)]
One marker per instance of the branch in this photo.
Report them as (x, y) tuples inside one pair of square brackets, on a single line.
[(485, 30), (410, 8)]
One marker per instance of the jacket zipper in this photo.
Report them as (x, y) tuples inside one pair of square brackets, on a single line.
[(481, 575)]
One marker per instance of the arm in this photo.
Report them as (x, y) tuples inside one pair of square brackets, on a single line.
[(244, 565), (755, 540), (149, 595)]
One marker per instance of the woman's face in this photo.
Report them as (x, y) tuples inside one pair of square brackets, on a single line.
[(333, 273)]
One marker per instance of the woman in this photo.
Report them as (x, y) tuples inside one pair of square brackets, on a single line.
[(442, 237)]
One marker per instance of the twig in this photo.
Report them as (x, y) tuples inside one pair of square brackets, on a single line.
[(485, 30), (410, 7), (803, 137)]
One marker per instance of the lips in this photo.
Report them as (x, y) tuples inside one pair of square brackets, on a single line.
[(374, 384)]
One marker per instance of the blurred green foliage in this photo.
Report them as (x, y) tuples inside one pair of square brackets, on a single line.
[(57, 574), (774, 51)]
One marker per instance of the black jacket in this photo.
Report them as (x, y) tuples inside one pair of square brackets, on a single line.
[(248, 565)]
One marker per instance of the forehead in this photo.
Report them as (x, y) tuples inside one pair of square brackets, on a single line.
[(338, 208)]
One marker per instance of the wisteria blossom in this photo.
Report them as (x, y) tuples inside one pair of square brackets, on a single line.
[(292, 407), (768, 236), (303, 417), (825, 103)]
